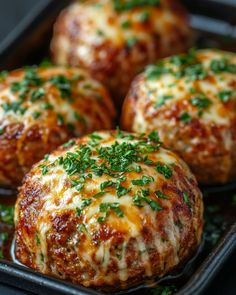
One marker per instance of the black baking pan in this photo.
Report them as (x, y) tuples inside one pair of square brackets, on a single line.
[(214, 25)]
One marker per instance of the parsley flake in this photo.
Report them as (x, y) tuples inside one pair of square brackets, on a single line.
[(164, 169), (146, 179)]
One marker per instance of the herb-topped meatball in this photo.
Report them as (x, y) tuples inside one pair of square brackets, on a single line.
[(109, 209), (115, 39), (191, 100), (41, 108)]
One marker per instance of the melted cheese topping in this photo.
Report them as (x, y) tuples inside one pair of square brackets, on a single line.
[(182, 90), (101, 24), (115, 45), (73, 109), (190, 99), (62, 197)]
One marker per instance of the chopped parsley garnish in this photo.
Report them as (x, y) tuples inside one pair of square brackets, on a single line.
[(46, 106), (80, 118), (201, 101), (164, 169), (70, 127), (31, 79), (124, 135), (95, 136), (125, 24), (45, 63), (146, 179), (78, 184), (87, 86), (15, 106), (113, 161), (41, 257), (99, 194), (142, 198), (131, 41), (63, 84), (36, 115), (144, 16), (161, 195), (184, 59), (100, 33), (155, 71), (222, 65), (60, 119), (98, 5), (46, 157), (85, 203), (186, 199), (124, 5), (106, 208), (194, 72), (162, 99), (37, 94), (44, 169), (189, 66), (185, 117), (122, 191), (82, 227), (69, 143), (3, 74), (38, 242), (106, 184), (192, 90), (225, 95), (154, 136), (31, 89)]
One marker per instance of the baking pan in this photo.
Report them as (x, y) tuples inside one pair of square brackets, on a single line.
[(214, 25)]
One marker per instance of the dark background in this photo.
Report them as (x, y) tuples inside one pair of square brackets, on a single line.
[(11, 13)]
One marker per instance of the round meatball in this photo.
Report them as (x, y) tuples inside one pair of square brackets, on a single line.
[(41, 108), (115, 41), (191, 100), (110, 209)]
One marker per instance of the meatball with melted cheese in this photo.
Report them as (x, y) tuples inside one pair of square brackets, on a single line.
[(40, 109), (109, 209), (115, 40), (191, 100)]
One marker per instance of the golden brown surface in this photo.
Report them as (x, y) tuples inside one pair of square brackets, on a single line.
[(191, 101), (110, 209), (116, 45), (41, 108)]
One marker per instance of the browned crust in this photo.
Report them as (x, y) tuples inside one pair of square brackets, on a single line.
[(21, 145), (210, 159), (63, 228), (114, 65)]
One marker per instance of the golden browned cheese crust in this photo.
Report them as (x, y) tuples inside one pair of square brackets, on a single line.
[(191, 100), (110, 209), (41, 108), (116, 45)]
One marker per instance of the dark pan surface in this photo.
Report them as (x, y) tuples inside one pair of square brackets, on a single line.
[(28, 44)]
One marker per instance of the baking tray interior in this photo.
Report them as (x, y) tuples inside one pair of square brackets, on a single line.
[(29, 44)]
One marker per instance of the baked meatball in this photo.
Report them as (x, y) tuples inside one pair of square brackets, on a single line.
[(41, 108), (191, 100), (116, 39), (109, 209)]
